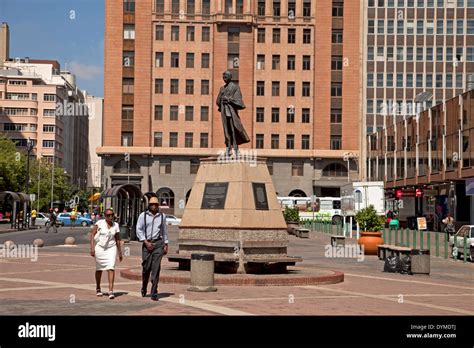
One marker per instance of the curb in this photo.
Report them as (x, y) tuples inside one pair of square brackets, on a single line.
[(333, 277)]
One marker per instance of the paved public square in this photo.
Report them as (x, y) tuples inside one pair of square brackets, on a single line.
[(61, 282)]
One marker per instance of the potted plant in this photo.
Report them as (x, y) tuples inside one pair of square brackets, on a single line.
[(292, 218), (370, 224)]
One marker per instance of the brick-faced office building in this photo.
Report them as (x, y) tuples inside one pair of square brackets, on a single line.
[(297, 63)]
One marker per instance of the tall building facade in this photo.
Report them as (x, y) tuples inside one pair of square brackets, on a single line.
[(4, 42), (297, 63), (43, 104), (94, 171), (417, 53)]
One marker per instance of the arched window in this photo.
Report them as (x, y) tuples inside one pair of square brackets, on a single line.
[(297, 193), (335, 169), (166, 197), (122, 167)]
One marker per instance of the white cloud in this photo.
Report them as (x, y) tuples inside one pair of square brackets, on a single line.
[(85, 71)]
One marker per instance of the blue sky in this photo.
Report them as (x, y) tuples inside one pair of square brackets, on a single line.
[(69, 31)]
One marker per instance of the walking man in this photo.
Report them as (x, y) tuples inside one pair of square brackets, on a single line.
[(52, 221), (152, 231)]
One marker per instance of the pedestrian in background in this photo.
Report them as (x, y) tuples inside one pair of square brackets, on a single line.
[(152, 231), (105, 244)]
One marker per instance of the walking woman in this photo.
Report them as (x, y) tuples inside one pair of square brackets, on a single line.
[(106, 237)]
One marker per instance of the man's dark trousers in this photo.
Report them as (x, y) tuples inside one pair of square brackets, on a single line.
[(151, 265)]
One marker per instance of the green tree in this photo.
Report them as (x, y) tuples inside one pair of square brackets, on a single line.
[(12, 166)]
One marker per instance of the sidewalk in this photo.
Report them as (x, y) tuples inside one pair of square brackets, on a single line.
[(61, 282)]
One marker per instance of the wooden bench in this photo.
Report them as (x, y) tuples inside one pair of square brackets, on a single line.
[(382, 251), (338, 240)]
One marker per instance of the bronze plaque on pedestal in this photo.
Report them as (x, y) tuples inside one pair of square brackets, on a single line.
[(214, 195), (260, 196)]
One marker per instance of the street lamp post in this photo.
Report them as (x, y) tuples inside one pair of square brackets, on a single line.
[(29, 147), (52, 183)]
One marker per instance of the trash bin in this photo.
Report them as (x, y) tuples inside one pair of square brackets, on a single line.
[(125, 232), (202, 273), (420, 261)]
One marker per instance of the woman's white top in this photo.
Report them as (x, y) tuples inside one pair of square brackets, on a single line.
[(105, 236)]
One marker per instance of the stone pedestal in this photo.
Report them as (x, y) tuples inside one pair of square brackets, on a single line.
[(233, 213)]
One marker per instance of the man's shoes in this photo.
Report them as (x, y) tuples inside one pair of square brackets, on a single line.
[(154, 297), (143, 292)]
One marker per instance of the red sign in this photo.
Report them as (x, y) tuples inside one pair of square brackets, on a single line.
[(409, 193)]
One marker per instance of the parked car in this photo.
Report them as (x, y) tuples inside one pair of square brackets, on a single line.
[(65, 218), (172, 220), (42, 219), (458, 249)]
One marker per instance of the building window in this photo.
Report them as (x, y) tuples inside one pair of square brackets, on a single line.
[(189, 60), (206, 7), (260, 115), (260, 88), (336, 142), (160, 6), (336, 116), (127, 139), (306, 8), (276, 35), (204, 140), (190, 7), (160, 32), (206, 34), (305, 115), (165, 166), (158, 112), (275, 88), (261, 8), (174, 59), (336, 89), (49, 97), (290, 141), (204, 87), (189, 113), (291, 36), (305, 142), (190, 34), (48, 144), (338, 9), (306, 36), (275, 115), (290, 115), (379, 81), (335, 170), (259, 141), (158, 139), (275, 141), (174, 33), (190, 87), (129, 6), (174, 86), (47, 128), (173, 139), (129, 32), (276, 62), (204, 113), (261, 62), (291, 62), (127, 86), (159, 86), (306, 62), (336, 63), (261, 35), (158, 60), (337, 36), (173, 113), (306, 90), (276, 8), (205, 60), (297, 168), (188, 140), (290, 89)]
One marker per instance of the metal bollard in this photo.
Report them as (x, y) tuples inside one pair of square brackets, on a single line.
[(446, 239), (421, 239), (414, 239), (428, 240), (202, 273), (407, 233), (437, 243), (455, 246)]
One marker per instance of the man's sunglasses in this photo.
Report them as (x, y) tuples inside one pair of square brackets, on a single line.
[(156, 204), (109, 215)]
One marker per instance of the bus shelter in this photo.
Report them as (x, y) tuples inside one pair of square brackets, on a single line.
[(18, 205), (127, 203)]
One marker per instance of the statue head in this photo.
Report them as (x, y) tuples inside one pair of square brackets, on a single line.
[(227, 76)]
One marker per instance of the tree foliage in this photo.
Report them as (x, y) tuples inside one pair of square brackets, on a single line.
[(368, 219)]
